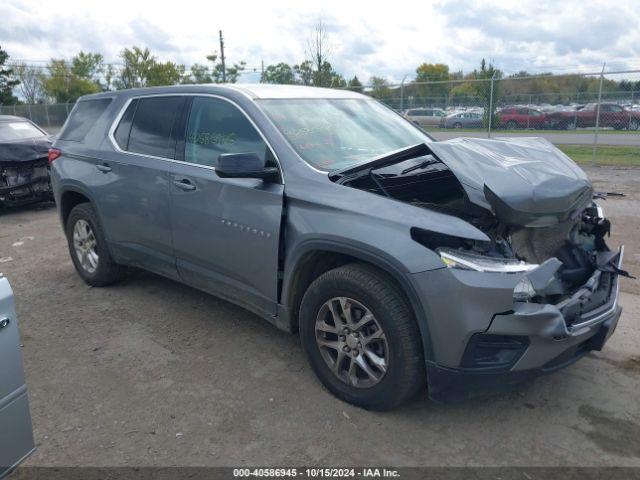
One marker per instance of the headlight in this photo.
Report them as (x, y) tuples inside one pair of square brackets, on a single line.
[(524, 291), (481, 263)]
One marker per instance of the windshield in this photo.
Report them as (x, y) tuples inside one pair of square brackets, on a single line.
[(11, 131), (332, 134)]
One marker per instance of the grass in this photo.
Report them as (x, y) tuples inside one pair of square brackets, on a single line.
[(522, 131), (628, 156)]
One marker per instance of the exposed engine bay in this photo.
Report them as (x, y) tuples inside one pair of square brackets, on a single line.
[(531, 201)]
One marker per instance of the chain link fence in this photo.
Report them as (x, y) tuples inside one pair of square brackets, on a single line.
[(49, 117), (593, 117)]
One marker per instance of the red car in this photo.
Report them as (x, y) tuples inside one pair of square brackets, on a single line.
[(611, 115), (522, 117)]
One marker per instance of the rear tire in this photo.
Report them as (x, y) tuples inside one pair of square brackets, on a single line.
[(88, 248), (391, 350), (457, 125), (511, 125)]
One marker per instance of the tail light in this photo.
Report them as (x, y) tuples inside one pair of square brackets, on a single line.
[(53, 154)]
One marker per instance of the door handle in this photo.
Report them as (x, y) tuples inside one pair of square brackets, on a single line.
[(103, 167), (4, 321), (185, 185)]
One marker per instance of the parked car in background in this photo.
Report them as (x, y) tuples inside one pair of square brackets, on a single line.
[(612, 115), (460, 266), (425, 117), (16, 434), (24, 176), (522, 117), (462, 120)]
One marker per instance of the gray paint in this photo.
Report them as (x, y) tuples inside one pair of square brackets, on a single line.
[(206, 237), (16, 436)]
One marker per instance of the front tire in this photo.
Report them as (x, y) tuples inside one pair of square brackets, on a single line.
[(361, 338), (88, 248)]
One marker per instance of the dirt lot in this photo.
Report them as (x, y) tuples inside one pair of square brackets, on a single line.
[(151, 372)]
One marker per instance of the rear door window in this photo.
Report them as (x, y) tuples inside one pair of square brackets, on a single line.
[(83, 116), (152, 125)]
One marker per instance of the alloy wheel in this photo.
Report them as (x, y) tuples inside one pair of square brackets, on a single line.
[(85, 246), (351, 342)]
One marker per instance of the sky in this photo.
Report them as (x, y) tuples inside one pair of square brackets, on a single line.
[(386, 39)]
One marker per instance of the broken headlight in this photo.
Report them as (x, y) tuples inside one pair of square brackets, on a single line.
[(482, 263)]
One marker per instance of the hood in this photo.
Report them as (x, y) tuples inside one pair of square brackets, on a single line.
[(523, 181), (24, 150)]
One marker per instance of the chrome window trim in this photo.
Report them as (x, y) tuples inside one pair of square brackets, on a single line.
[(118, 118)]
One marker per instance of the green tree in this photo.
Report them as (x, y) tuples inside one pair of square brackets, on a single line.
[(88, 65), (233, 72), (61, 85), (135, 72), (304, 72), (355, 85), (7, 81), (142, 69), (380, 88), (436, 92), (198, 74), (281, 73)]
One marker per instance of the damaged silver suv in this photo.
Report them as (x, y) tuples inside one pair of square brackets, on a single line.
[(463, 266)]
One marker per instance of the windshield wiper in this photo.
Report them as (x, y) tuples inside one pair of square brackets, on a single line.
[(420, 165), (380, 161)]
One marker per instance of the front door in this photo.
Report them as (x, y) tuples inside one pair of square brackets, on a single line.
[(16, 436), (226, 232)]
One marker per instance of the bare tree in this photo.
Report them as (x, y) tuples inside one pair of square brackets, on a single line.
[(30, 85), (318, 51)]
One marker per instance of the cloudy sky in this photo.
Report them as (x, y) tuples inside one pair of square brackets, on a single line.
[(387, 39)]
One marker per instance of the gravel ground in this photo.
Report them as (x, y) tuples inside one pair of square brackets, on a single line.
[(151, 372)]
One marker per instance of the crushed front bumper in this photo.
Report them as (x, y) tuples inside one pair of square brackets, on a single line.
[(24, 182), (484, 342)]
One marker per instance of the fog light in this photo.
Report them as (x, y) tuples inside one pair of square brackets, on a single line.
[(524, 291)]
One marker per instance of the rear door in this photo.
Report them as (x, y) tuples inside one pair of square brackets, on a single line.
[(226, 232), (134, 199), (16, 436)]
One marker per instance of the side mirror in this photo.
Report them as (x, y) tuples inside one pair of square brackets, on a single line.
[(244, 165)]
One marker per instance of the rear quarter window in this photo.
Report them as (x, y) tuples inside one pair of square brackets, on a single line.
[(83, 116)]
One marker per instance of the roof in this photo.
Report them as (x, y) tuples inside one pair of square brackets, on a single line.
[(265, 90), (11, 118), (253, 91)]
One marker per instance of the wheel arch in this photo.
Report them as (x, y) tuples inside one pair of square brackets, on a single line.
[(316, 257)]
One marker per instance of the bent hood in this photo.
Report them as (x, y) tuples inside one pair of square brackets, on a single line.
[(524, 181), (24, 150)]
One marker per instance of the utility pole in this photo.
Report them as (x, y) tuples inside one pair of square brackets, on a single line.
[(261, 70), (599, 106), (224, 68)]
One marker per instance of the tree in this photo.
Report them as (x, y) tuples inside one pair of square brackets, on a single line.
[(281, 73), (198, 74), (141, 69), (379, 88), (318, 51), (167, 73), (304, 72), (61, 85), (432, 92), (30, 86), (88, 65), (355, 85), (232, 73), (137, 64), (7, 81)]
